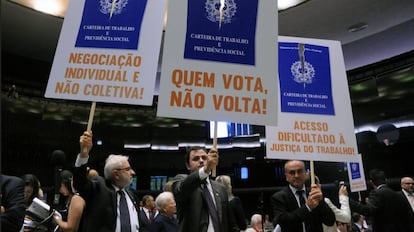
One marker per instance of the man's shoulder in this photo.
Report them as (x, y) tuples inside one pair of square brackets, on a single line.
[(401, 192), (218, 185), (11, 180), (385, 191), (180, 176), (235, 199), (282, 192)]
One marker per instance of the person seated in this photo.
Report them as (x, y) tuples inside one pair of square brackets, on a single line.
[(70, 218), (358, 222), (31, 191), (12, 203), (255, 224)]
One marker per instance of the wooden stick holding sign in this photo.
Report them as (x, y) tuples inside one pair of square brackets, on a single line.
[(90, 121), (214, 172), (312, 172)]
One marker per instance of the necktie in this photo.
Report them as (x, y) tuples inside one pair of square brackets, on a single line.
[(151, 215), (124, 213), (211, 208), (302, 200)]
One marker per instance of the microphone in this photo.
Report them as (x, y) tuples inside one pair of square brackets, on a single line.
[(57, 160)]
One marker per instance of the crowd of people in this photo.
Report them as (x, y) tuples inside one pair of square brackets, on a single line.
[(196, 201)]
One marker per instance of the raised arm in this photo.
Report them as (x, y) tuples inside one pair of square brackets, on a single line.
[(85, 142), (80, 172)]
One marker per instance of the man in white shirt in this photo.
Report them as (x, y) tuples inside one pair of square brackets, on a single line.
[(407, 185)]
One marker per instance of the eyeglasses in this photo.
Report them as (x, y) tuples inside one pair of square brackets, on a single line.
[(197, 158), (409, 183), (126, 169)]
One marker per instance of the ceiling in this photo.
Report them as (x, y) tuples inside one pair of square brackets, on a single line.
[(371, 55), (389, 30)]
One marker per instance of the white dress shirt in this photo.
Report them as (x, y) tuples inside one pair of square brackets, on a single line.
[(133, 214)]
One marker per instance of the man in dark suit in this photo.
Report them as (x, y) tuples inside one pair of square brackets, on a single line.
[(407, 191), (147, 213), (12, 203), (387, 209), (292, 215), (110, 206), (357, 222), (195, 210)]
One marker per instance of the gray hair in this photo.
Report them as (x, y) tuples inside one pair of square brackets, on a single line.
[(162, 199), (226, 181), (405, 179), (145, 198), (256, 218), (113, 162)]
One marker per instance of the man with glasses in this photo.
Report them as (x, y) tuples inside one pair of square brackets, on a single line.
[(202, 204), (110, 206), (295, 208), (385, 207), (407, 188)]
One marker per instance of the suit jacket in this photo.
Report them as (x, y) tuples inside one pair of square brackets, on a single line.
[(164, 224), (387, 209), (144, 222), (290, 216), (407, 202), (355, 228), (100, 212), (238, 212), (192, 210), (12, 199)]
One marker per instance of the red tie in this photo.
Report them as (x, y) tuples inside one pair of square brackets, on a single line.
[(151, 216)]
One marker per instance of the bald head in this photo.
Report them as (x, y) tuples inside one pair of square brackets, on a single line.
[(295, 173), (407, 183)]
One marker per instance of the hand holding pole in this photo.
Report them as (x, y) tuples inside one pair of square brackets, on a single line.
[(312, 172), (90, 121)]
